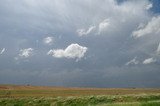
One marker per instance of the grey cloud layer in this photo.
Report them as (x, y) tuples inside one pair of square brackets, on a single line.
[(107, 35)]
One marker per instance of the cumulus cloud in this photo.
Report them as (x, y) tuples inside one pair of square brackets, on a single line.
[(48, 40), (134, 61), (149, 6), (158, 49), (2, 51), (25, 53), (149, 60), (151, 28), (96, 29), (72, 51), (104, 25), (83, 32), (59, 53)]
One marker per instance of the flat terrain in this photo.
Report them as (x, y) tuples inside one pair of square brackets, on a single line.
[(36, 91), (20, 95)]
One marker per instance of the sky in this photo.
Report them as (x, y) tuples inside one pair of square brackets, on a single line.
[(80, 43)]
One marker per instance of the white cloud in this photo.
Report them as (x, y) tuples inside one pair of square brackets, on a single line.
[(149, 60), (2, 51), (72, 51), (158, 49), (149, 6), (133, 61), (101, 27), (104, 25), (48, 40), (152, 27), (59, 53), (83, 32), (25, 53)]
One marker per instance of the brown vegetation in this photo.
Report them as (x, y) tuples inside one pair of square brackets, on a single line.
[(37, 91)]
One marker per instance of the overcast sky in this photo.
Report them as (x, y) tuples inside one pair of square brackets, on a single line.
[(80, 43)]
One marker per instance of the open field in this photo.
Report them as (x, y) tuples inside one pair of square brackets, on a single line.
[(12, 95), (38, 91)]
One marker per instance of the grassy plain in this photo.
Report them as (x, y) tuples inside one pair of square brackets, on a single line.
[(13, 95)]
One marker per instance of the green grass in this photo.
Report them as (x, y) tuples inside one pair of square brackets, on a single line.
[(119, 100)]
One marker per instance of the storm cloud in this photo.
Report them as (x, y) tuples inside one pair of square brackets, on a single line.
[(86, 43)]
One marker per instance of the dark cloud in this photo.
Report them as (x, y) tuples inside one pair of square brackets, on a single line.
[(107, 27)]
